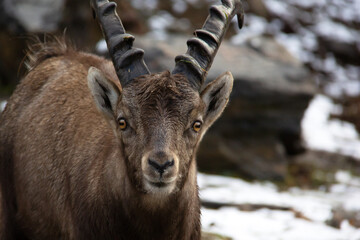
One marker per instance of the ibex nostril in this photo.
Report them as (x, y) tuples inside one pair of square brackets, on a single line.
[(154, 164), (169, 163), (161, 167)]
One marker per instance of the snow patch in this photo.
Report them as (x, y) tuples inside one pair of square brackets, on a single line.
[(336, 31), (332, 135), (311, 19), (148, 5), (270, 224), (159, 24), (179, 6), (267, 224), (101, 47), (237, 191), (308, 3), (255, 26), (280, 8), (345, 177), (2, 105)]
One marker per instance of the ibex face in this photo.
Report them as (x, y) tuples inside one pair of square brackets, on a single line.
[(159, 120)]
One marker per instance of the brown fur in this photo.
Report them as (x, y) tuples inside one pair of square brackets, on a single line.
[(39, 51), (68, 172)]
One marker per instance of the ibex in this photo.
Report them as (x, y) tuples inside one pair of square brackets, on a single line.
[(124, 167)]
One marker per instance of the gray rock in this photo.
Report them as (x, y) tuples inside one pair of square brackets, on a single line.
[(260, 127), (345, 52), (35, 15)]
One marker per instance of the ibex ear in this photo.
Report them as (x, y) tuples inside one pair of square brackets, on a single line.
[(216, 96), (105, 92)]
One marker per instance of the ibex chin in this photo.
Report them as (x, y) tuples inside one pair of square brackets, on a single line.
[(93, 149)]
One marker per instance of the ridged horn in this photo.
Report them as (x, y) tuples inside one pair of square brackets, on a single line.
[(202, 48), (128, 61)]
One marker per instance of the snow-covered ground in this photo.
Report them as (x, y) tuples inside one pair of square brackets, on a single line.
[(320, 132), (315, 206)]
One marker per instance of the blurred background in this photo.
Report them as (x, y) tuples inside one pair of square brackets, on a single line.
[(283, 162)]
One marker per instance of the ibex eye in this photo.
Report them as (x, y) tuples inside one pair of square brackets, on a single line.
[(122, 124), (196, 126)]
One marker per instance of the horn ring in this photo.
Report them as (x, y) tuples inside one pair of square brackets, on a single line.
[(202, 48), (128, 61)]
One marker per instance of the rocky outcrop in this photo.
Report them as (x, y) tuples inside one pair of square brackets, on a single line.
[(35, 15), (261, 126)]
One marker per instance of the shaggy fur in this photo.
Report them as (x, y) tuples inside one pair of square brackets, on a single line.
[(68, 172)]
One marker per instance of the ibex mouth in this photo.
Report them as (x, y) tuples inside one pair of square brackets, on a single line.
[(159, 184)]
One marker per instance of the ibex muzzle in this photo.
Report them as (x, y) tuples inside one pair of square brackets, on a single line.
[(124, 169)]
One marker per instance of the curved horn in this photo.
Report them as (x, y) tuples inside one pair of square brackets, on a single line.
[(202, 48), (128, 61)]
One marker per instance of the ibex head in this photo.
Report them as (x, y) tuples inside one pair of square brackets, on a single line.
[(159, 119)]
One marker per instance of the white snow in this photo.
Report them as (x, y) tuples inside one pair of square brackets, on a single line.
[(159, 24), (315, 205), (275, 224), (267, 224), (336, 31), (332, 135), (345, 177), (322, 20), (179, 6), (255, 26), (345, 10), (301, 46), (308, 3), (346, 81), (2, 105), (293, 44), (280, 8), (101, 47), (345, 78), (147, 5)]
